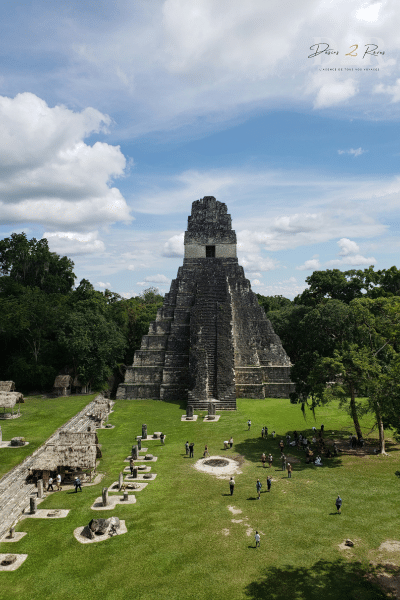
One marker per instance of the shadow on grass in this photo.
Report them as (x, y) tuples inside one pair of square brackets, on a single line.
[(182, 404), (252, 448), (329, 580)]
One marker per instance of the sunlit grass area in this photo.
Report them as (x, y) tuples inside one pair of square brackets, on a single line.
[(39, 419), (184, 542)]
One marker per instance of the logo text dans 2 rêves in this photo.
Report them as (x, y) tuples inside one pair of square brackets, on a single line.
[(323, 48)]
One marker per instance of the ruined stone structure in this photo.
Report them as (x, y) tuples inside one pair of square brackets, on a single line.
[(211, 340)]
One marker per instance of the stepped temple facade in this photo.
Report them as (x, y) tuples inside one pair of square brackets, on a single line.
[(211, 341)]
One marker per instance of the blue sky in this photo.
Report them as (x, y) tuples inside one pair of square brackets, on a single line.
[(116, 116)]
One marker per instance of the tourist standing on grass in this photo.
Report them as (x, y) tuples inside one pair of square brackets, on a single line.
[(231, 442), (283, 459), (269, 483), (270, 459), (231, 485), (265, 431), (263, 459), (187, 448), (258, 488), (162, 438), (338, 504), (289, 470), (248, 425), (77, 484), (191, 448), (257, 538), (281, 446), (206, 452), (262, 432), (273, 434)]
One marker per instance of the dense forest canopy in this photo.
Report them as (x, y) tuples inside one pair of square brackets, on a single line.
[(343, 337), (48, 326)]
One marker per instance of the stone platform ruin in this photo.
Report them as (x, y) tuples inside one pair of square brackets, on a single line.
[(211, 341)]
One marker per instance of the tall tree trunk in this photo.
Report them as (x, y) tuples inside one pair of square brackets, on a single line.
[(380, 428), (354, 415)]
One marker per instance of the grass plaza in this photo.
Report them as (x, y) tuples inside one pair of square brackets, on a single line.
[(187, 537)]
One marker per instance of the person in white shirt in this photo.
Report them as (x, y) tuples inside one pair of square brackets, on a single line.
[(257, 538), (58, 482)]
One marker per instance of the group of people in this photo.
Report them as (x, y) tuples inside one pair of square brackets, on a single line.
[(189, 449), (259, 486), (50, 486), (285, 465), (51, 482)]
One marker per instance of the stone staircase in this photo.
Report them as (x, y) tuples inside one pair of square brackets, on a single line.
[(211, 341)]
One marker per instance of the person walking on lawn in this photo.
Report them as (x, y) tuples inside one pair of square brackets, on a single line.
[(263, 459), (257, 538), (338, 504), (270, 459), (283, 459), (187, 448), (248, 425), (289, 470), (191, 448), (258, 488), (231, 485), (269, 483), (77, 484)]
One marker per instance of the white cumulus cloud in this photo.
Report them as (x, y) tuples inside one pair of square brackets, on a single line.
[(332, 93), (174, 246), (347, 247), (310, 265), (391, 90), (48, 174), (351, 257), (70, 242)]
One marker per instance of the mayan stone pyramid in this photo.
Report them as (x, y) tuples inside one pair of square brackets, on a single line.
[(211, 341)]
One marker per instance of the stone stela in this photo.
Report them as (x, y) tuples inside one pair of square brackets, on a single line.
[(32, 504), (40, 488), (211, 341)]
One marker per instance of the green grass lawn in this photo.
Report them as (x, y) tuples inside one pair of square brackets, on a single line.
[(176, 547), (39, 419)]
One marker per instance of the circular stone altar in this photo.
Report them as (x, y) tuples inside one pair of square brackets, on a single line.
[(220, 466), (216, 462)]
